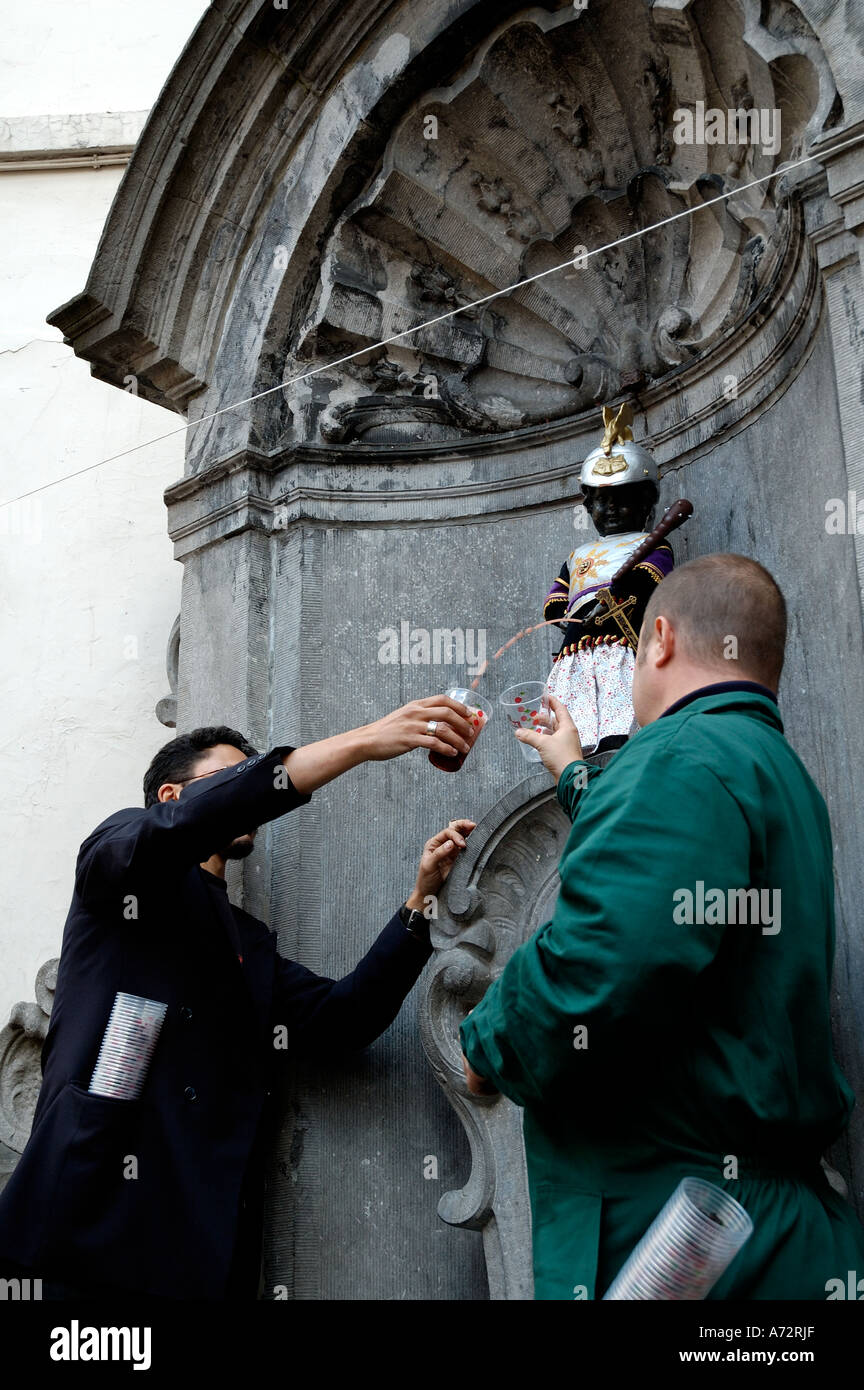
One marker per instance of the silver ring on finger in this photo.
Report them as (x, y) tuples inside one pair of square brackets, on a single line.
[(431, 726)]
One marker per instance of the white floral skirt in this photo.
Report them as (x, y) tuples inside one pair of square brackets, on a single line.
[(596, 685)]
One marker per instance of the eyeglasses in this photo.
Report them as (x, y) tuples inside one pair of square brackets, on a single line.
[(199, 775)]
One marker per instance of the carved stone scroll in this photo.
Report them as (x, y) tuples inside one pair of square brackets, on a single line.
[(503, 886), (20, 1071)]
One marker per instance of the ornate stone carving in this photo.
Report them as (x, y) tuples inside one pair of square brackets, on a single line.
[(20, 1072), (166, 708), (520, 175), (537, 107), (742, 100), (434, 285), (658, 83), (502, 888), (496, 199), (779, 32)]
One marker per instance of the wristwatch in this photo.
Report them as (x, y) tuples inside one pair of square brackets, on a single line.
[(415, 922)]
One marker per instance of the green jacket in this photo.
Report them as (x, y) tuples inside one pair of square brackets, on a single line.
[(646, 1044)]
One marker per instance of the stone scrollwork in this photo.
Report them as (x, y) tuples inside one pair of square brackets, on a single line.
[(166, 708), (502, 887), (534, 161), (20, 1071)]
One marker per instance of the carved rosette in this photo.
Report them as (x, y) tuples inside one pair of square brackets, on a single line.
[(20, 1070)]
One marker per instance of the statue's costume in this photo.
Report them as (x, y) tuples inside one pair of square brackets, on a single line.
[(593, 671)]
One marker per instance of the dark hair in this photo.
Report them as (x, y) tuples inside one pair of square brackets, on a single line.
[(177, 760), (718, 597)]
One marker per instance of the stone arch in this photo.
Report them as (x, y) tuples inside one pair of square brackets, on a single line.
[(188, 276)]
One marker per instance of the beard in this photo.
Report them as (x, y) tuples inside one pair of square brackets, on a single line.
[(239, 848)]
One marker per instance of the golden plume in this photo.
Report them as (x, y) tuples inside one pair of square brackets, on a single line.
[(617, 426)]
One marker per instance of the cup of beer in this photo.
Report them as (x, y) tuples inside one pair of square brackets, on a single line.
[(479, 712)]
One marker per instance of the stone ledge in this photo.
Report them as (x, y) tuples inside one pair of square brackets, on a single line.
[(94, 140)]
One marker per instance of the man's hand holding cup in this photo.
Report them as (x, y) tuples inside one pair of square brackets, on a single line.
[(560, 747)]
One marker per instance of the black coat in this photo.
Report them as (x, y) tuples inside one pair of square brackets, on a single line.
[(146, 919)]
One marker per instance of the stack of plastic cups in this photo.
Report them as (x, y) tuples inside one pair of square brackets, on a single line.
[(685, 1250), (127, 1047)]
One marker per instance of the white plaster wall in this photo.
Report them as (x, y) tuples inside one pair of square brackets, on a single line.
[(88, 585), (90, 55)]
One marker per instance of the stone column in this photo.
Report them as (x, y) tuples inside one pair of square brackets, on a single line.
[(834, 210)]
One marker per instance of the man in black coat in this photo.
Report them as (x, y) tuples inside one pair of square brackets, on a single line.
[(162, 1195)]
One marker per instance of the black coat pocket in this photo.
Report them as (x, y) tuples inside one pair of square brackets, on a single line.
[(99, 1141)]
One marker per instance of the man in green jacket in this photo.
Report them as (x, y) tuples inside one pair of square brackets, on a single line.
[(669, 1020)]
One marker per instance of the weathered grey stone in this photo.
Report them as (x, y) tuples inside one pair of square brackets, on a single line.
[(20, 1072), (284, 209), (166, 708)]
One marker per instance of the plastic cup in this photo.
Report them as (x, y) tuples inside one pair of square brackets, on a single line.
[(480, 714), (522, 704), (127, 1046), (687, 1247)]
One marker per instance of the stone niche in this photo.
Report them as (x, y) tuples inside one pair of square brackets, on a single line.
[(316, 181)]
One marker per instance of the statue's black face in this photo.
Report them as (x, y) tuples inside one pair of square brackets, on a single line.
[(615, 510)]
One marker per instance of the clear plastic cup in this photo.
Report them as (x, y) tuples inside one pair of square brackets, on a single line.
[(686, 1248), (523, 704), (480, 714), (127, 1046)]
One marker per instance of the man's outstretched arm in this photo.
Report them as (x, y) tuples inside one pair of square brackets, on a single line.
[(315, 764), (211, 811)]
